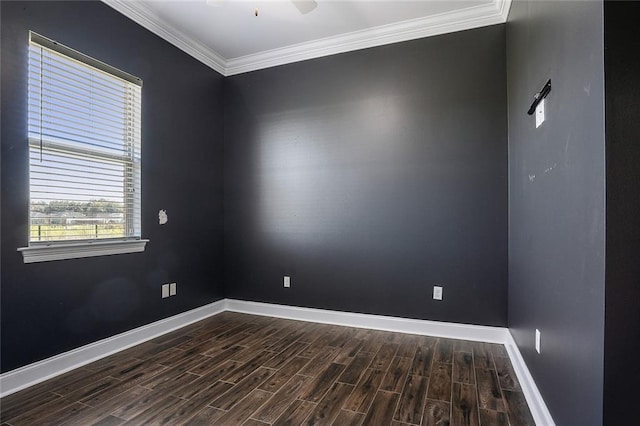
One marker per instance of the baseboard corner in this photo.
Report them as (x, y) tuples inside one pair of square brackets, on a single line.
[(536, 403)]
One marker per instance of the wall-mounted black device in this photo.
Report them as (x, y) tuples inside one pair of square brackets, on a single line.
[(538, 97)]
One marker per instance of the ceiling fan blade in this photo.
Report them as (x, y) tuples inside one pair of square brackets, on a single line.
[(305, 6)]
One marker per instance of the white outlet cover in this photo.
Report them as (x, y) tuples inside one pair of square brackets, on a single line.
[(287, 281), (537, 340), (540, 114), (165, 290), (437, 292), (172, 289)]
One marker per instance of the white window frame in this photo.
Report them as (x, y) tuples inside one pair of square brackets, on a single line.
[(42, 251)]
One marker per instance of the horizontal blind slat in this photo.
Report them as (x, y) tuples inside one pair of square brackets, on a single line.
[(59, 167), (49, 108), (84, 99), (82, 183), (85, 153), (100, 127), (58, 104), (66, 80), (56, 66), (45, 172), (74, 138)]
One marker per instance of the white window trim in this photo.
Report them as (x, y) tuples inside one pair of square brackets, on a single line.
[(77, 250), (45, 251)]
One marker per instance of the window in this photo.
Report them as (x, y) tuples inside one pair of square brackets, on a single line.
[(84, 120)]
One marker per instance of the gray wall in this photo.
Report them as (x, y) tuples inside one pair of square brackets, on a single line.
[(556, 202), (371, 176), (622, 88), (368, 177), (51, 307)]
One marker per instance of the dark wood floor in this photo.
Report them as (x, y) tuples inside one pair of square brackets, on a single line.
[(236, 369)]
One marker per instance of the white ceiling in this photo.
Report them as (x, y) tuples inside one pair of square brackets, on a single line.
[(227, 36)]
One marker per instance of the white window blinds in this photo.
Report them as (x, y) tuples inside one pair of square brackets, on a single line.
[(84, 121)]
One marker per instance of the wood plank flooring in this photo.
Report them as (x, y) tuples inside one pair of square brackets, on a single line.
[(238, 369)]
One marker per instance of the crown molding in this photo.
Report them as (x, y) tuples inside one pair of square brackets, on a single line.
[(464, 19), (503, 7), (141, 15)]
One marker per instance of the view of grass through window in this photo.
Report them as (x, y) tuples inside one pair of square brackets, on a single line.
[(56, 220)]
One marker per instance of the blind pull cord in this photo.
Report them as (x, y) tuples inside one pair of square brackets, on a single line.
[(41, 97)]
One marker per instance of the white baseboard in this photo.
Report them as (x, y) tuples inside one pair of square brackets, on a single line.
[(32, 374), (29, 375), (451, 330), (538, 408)]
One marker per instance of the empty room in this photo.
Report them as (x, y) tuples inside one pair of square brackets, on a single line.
[(340, 212)]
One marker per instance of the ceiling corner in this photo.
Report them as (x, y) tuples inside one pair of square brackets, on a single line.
[(503, 7), (147, 19)]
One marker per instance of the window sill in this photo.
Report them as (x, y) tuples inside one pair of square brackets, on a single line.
[(61, 251)]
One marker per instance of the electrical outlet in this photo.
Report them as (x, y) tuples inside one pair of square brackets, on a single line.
[(437, 292), (165, 290), (287, 281), (173, 289), (537, 340)]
